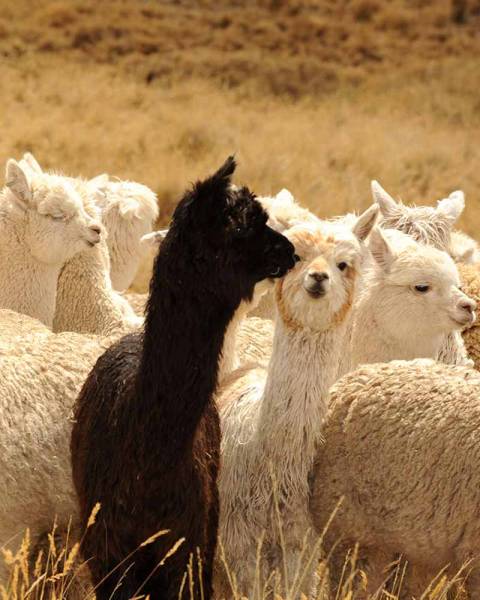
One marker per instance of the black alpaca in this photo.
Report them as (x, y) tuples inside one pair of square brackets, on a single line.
[(146, 439)]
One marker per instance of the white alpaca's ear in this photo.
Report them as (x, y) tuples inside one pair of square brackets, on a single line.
[(32, 162), (285, 197), (16, 180), (452, 207), (154, 239), (386, 203), (380, 248), (365, 222), (99, 180)]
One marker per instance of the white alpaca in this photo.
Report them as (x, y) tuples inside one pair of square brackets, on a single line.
[(43, 224), (426, 224), (41, 376), (401, 451), (129, 210), (409, 303), (269, 417), (86, 301), (434, 226)]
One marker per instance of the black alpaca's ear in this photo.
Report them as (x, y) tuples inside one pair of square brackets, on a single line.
[(215, 188)]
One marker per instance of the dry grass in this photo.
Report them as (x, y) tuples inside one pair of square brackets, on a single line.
[(56, 571)]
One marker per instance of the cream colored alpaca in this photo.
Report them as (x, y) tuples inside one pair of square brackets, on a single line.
[(402, 450), (86, 301), (434, 226), (43, 224), (431, 225), (41, 376), (409, 303), (129, 210), (269, 417)]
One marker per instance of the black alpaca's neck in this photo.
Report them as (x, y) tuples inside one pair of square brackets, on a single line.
[(184, 332)]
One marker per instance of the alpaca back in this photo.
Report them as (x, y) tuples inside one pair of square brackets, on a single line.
[(41, 374)]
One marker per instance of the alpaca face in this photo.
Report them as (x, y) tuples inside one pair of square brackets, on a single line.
[(318, 293), (418, 288), (225, 229), (56, 225)]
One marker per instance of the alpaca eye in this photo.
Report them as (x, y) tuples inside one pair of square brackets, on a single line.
[(342, 266), (422, 288)]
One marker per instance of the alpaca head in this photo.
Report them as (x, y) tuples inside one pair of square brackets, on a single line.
[(129, 210), (416, 291), (318, 293), (425, 224), (223, 231), (52, 214), (284, 212)]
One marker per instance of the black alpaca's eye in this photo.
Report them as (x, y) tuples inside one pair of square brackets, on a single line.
[(422, 288), (342, 266)]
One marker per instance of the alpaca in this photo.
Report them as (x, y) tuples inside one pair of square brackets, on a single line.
[(410, 301), (283, 213), (400, 456), (43, 225), (128, 211), (264, 412), (425, 224), (86, 301), (41, 376), (433, 226), (137, 402)]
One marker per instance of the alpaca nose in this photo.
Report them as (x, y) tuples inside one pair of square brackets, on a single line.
[(468, 305), (96, 229), (319, 277), (316, 283)]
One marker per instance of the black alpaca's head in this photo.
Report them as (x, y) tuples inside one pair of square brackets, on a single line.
[(223, 231)]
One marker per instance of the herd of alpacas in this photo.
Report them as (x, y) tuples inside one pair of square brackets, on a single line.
[(290, 388)]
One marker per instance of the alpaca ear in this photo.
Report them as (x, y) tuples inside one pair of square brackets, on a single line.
[(380, 248), (284, 196), (215, 188), (467, 256), (452, 207), (99, 180), (32, 162), (154, 239), (386, 203), (16, 180), (365, 222)]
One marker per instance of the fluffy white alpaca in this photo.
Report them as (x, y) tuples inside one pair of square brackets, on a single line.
[(269, 417), (41, 376), (401, 449), (43, 224), (129, 210), (409, 303), (426, 224), (86, 301), (434, 226)]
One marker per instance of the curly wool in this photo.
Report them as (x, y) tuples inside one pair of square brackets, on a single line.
[(401, 449)]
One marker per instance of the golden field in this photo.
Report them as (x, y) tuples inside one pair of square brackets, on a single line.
[(319, 96)]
